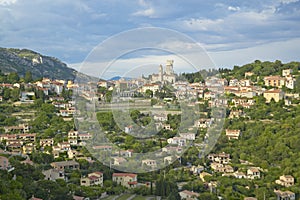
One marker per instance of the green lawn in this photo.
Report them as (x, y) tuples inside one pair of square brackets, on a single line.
[(124, 197), (138, 197), (110, 197)]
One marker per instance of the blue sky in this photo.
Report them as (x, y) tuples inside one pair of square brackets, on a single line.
[(232, 31)]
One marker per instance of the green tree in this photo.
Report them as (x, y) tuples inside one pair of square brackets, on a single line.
[(149, 93), (13, 77), (28, 77)]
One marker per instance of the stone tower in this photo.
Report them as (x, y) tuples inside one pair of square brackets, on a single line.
[(160, 73), (169, 67)]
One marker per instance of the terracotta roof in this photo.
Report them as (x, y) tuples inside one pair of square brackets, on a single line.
[(288, 176), (78, 198), (93, 177), (190, 193), (100, 173), (273, 91), (132, 183), (273, 78), (124, 174), (254, 169)]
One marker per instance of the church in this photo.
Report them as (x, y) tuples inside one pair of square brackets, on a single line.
[(167, 76)]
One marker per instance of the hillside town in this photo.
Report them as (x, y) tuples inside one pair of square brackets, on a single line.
[(39, 135)]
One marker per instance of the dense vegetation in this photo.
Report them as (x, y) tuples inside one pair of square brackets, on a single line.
[(270, 140)]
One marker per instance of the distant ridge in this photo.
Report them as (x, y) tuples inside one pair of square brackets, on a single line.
[(116, 78), (23, 60)]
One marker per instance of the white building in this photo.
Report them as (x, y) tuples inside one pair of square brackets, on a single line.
[(152, 87), (180, 141), (188, 136)]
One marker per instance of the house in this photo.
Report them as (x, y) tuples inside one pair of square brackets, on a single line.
[(212, 186), (285, 195), (73, 137), (64, 146), (103, 148), (55, 152), (217, 167), (21, 128), (233, 134), (27, 137), (239, 175), (35, 198), (290, 82), (4, 163), (28, 148), (233, 82), (149, 162), (128, 129), (83, 138), (203, 175), (27, 162), (27, 96), (277, 95), (235, 114), (60, 105), (160, 117), (171, 149), (57, 87), (118, 160), (243, 102), (73, 142), (253, 172), (287, 72), (125, 153), (221, 158), (180, 141), (250, 198), (80, 198), (274, 81), (152, 87), (46, 142), (63, 165), (163, 126), (102, 84), (188, 195), (245, 82), (95, 178), (168, 159), (72, 153), (196, 170), (285, 180), (54, 174), (188, 136), (56, 99), (125, 179), (73, 134), (203, 123)]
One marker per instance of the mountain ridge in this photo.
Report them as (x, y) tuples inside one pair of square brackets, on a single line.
[(23, 60)]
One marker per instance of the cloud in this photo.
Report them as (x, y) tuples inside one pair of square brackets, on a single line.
[(282, 50), (232, 8), (147, 9), (146, 13), (288, 1), (203, 24), (7, 2), (70, 29)]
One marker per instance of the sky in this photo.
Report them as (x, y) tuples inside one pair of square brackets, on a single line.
[(232, 32)]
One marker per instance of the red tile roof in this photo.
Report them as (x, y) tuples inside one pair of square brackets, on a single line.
[(124, 174)]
